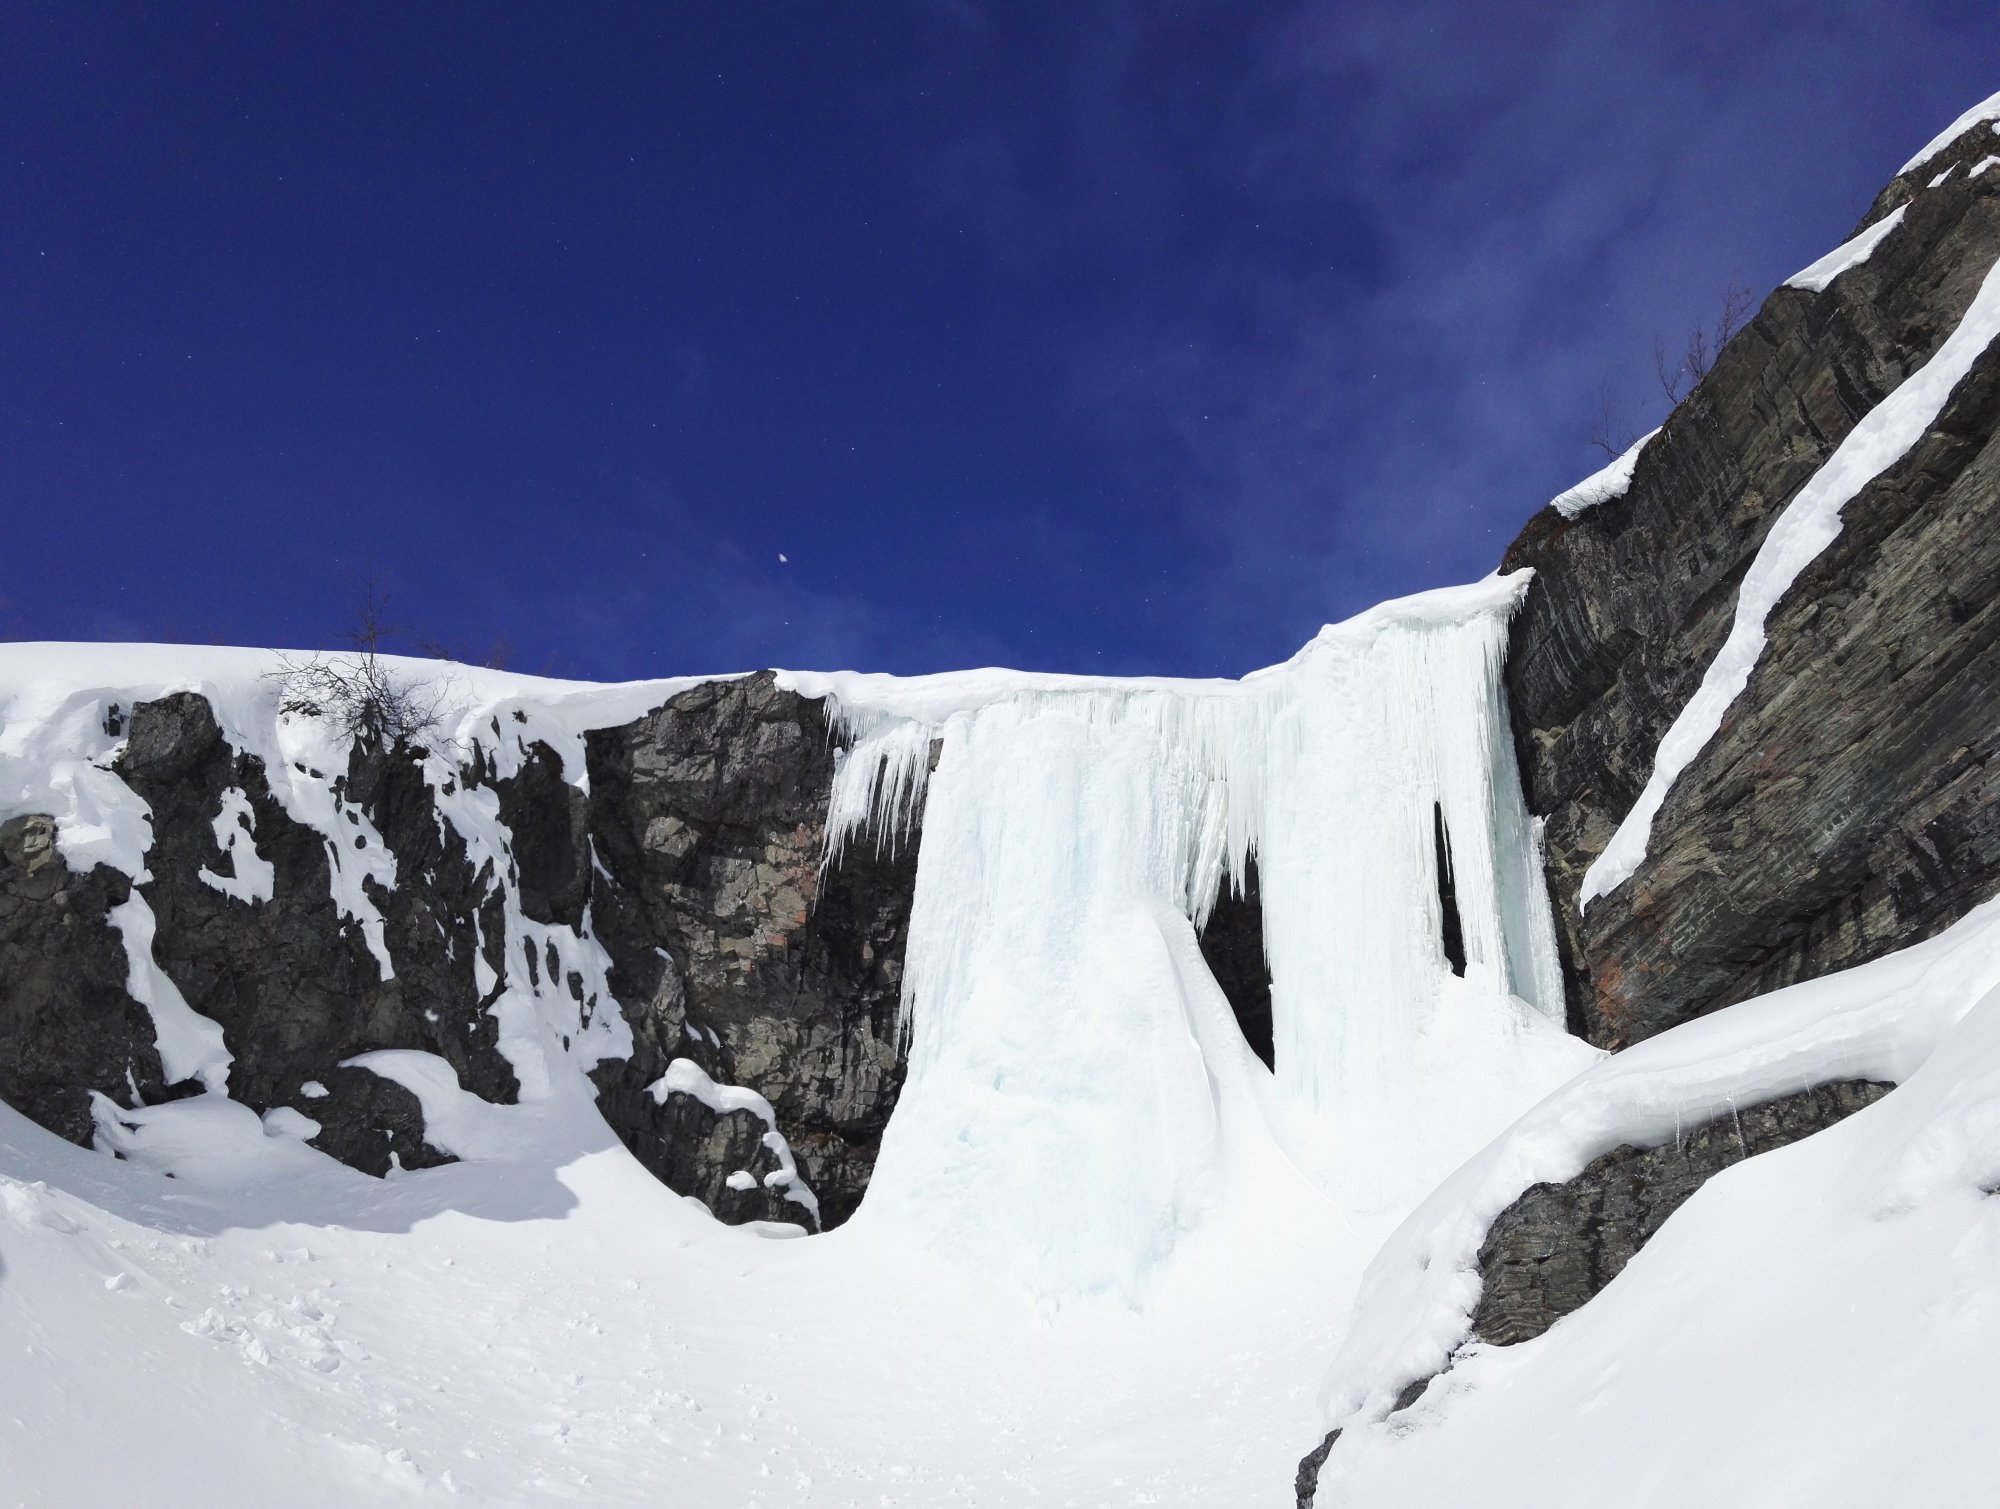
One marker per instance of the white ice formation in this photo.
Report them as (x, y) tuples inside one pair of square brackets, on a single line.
[(1070, 1086)]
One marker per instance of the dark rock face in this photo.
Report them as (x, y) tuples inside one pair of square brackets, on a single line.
[(1307, 1482), (1232, 944), (66, 1024), (550, 821), (293, 983), (730, 949), (1560, 1244), (371, 1123), (1850, 804), (695, 863)]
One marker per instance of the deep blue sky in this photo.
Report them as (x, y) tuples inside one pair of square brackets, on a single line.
[(1093, 336)]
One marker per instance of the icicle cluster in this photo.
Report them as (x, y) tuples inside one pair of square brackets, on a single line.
[(1072, 833)]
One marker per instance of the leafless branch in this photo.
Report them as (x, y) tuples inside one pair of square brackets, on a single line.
[(1679, 373), (358, 692)]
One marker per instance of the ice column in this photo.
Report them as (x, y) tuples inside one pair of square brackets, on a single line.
[(1063, 1109)]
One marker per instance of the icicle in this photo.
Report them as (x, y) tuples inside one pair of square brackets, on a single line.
[(879, 781), (1062, 824)]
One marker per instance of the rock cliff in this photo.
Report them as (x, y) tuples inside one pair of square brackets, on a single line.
[(688, 849), (1849, 804)]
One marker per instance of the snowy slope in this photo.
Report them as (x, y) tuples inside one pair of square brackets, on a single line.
[(1815, 1326), (550, 1325)]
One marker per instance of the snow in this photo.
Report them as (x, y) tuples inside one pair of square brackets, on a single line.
[(1101, 1229), (1601, 486), (1851, 253), (250, 876), (1816, 1323), (1809, 523), (189, 1044), (1107, 1252), (1980, 114), (1982, 165), (551, 1325)]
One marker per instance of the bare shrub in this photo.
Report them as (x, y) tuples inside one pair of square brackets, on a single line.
[(359, 694), (1678, 373), (1612, 430)]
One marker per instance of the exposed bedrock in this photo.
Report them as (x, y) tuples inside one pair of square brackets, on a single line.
[(66, 1023), (1560, 1244), (731, 949), (293, 982), (695, 863), (1232, 945), (1849, 804)]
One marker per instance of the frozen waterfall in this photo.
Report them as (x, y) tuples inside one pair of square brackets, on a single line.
[(1079, 1095)]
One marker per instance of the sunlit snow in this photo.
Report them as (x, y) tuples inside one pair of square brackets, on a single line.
[(1106, 1251)]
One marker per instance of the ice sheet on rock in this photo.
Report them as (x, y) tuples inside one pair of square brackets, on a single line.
[(879, 783), (1809, 523), (1852, 253), (251, 876), (1984, 113), (1613, 481)]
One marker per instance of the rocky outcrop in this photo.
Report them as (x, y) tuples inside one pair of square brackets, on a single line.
[(1232, 945), (1306, 1483), (1850, 803), (694, 862), (67, 1025), (293, 982), (1560, 1244), (732, 949)]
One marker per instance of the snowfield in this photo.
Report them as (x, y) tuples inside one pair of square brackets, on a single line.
[(1107, 1254), (550, 1325)]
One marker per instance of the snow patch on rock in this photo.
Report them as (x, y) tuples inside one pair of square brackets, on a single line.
[(1603, 485), (1809, 523), (1851, 253)]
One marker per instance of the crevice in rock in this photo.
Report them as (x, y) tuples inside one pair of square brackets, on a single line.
[(1453, 937), (1232, 943)]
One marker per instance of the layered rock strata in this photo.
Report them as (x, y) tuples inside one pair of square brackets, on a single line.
[(1850, 803)]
